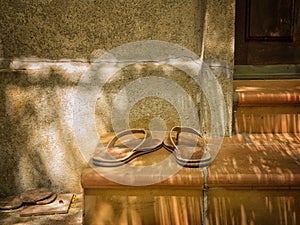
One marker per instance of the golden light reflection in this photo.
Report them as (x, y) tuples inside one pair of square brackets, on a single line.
[(225, 207)]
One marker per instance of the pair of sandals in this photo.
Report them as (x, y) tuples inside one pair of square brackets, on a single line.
[(187, 145)]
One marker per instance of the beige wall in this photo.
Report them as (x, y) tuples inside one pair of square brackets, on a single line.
[(47, 46)]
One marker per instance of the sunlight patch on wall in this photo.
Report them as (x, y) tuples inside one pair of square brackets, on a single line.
[(33, 65)]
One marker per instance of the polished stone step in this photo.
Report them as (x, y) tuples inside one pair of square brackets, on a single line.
[(254, 179), (267, 106), (243, 161)]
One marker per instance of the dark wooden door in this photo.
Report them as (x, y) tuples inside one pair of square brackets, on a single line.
[(267, 32)]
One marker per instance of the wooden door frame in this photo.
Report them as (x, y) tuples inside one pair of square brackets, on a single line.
[(268, 71)]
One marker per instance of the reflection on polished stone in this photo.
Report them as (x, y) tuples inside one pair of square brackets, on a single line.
[(143, 207), (185, 206)]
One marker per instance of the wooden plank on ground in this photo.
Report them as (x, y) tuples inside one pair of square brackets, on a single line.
[(59, 206)]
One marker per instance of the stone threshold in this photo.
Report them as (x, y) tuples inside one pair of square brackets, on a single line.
[(247, 161), (283, 71)]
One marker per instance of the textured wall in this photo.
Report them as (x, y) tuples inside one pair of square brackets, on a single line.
[(75, 28), (47, 45)]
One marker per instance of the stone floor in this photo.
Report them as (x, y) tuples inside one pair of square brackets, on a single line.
[(249, 161), (73, 217)]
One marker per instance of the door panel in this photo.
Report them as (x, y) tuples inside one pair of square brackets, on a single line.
[(267, 32)]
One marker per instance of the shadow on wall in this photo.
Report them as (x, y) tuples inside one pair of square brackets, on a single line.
[(36, 108), (37, 145)]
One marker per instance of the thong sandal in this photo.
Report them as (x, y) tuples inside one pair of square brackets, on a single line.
[(190, 150), (119, 152)]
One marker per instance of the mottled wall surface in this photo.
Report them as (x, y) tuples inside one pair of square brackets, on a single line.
[(76, 28), (37, 143), (47, 45)]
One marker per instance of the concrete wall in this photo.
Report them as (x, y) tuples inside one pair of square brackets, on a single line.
[(46, 46)]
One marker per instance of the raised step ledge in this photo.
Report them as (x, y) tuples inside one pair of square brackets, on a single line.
[(245, 161), (282, 71), (267, 92)]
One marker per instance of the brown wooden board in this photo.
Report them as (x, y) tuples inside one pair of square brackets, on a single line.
[(59, 206)]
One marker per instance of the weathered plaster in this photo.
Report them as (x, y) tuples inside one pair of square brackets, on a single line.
[(47, 45)]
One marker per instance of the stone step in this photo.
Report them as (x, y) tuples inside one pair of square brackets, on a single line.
[(267, 106), (254, 179), (247, 161)]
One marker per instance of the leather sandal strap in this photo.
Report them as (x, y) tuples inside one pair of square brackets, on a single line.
[(179, 130), (123, 133)]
